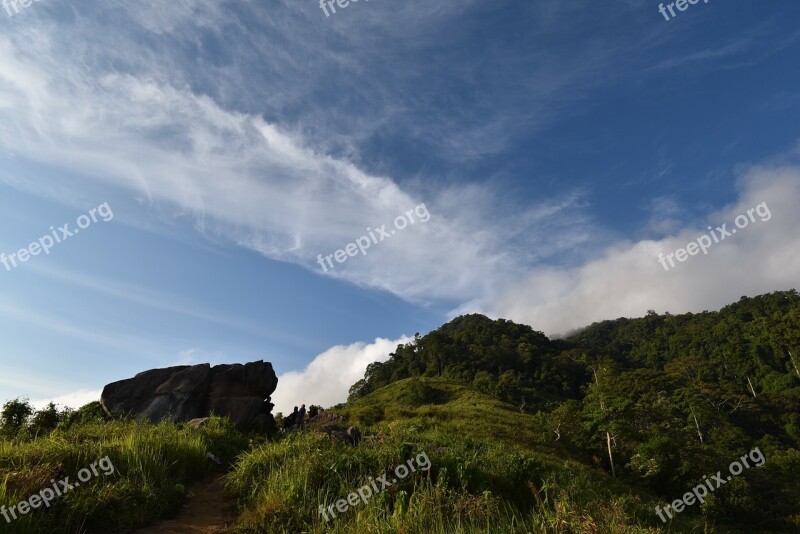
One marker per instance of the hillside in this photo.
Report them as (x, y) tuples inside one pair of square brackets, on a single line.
[(667, 398), (511, 432), (492, 469)]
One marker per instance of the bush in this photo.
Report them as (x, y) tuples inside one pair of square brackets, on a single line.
[(87, 414), (14, 417), (46, 420), (420, 392)]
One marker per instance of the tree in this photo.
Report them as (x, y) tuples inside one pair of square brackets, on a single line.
[(15, 416), (47, 419), (88, 413)]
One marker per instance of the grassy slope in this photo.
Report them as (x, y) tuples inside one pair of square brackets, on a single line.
[(494, 469), (151, 463), (452, 407)]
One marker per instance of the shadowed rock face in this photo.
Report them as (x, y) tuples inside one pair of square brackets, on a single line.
[(240, 392)]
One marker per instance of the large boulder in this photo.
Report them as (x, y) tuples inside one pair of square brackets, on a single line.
[(240, 392)]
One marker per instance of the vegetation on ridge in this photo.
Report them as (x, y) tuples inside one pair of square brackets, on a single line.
[(517, 428)]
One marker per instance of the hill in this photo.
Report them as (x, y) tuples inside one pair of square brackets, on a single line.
[(480, 426), (661, 400), (492, 469)]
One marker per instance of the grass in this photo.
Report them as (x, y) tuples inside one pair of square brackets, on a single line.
[(471, 487), (151, 464), (492, 470)]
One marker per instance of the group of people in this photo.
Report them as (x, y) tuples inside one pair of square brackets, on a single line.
[(298, 417)]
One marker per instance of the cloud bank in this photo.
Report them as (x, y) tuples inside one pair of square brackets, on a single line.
[(71, 400), (327, 379), (627, 280)]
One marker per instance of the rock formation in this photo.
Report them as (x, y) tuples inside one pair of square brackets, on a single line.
[(240, 392)]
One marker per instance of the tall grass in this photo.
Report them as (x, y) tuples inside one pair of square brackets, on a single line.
[(492, 470), (151, 465), (471, 487)]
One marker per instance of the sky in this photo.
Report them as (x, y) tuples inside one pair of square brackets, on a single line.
[(533, 160)]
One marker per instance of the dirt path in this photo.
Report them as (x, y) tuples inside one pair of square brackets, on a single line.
[(208, 512)]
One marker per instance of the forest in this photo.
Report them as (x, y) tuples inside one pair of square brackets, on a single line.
[(657, 400)]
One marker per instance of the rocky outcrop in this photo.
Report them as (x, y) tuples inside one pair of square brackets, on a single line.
[(183, 393)]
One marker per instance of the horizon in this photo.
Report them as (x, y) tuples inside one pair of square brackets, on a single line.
[(81, 399)]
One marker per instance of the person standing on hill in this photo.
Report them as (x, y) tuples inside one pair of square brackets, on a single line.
[(291, 419), (301, 416)]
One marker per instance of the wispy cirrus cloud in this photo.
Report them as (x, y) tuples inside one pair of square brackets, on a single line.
[(278, 142), (140, 127), (159, 300)]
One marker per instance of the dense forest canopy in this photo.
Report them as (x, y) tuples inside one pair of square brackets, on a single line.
[(665, 396), (756, 339)]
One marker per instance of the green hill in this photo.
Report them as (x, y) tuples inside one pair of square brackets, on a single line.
[(436, 404), (493, 469), (667, 399), (594, 433)]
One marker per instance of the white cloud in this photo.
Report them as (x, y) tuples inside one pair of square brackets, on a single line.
[(665, 216), (255, 183), (627, 279), (327, 379), (73, 400)]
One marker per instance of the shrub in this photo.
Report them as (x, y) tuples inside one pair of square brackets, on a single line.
[(15, 416), (46, 420), (420, 392), (87, 414)]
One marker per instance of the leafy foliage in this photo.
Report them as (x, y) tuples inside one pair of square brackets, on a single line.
[(14, 417), (674, 397), (515, 363)]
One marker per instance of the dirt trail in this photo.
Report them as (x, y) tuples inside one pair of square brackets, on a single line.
[(208, 512)]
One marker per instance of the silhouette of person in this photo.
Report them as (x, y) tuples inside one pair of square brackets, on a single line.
[(291, 419)]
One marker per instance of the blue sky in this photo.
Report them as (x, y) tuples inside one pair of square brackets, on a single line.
[(558, 147)]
